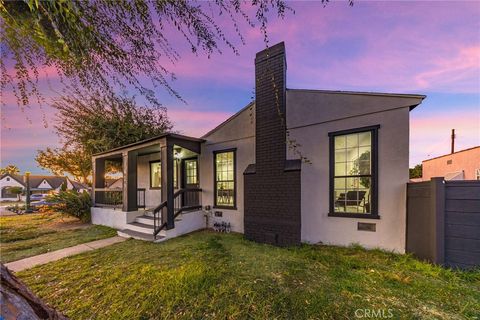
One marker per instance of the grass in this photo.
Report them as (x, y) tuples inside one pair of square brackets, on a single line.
[(206, 275), (23, 236)]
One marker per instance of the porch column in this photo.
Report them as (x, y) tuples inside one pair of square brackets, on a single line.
[(129, 181), (167, 183), (98, 180)]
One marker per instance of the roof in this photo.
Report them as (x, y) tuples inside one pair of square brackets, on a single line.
[(109, 181), (78, 185), (36, 180), (53, 181), (165, 135), (458, 175), (229, 119), (366, 93), (15, 177), (446, 155)]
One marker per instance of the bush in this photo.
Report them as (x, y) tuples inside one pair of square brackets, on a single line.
[(72, 203)]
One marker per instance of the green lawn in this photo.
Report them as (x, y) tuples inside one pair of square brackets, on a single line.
[(207, 275), (27, 235)]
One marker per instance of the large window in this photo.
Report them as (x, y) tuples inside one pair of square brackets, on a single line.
[(225, 179), (353, 173)]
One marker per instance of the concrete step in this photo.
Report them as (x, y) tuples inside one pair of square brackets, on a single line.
[(145, 220), (127, 233), (140, 227)]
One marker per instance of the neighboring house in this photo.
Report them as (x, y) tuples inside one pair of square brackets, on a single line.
[(114, 183), (460, 165), (247, 174), (38, 184)]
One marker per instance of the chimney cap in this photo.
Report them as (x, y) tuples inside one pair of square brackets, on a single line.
[(270, 52)]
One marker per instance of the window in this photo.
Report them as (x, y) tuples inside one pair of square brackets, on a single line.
[(191, 176), (353, 173), (8, 179), (225, 179), (477, 174), (155, 174)]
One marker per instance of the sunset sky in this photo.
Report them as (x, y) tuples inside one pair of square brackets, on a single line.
[(430, 48)]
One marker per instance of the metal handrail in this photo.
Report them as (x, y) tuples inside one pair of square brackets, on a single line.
[(179, 207)]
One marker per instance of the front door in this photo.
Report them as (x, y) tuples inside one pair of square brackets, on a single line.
[(190, 181)]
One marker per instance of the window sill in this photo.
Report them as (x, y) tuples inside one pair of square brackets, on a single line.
[(155, 188), (224, 208), (354, 215)]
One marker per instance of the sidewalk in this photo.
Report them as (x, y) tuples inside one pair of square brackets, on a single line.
[(30, 262)]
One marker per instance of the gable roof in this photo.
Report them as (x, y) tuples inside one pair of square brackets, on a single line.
[(78, 185), (251, 104), (15, 177), (53, 181)]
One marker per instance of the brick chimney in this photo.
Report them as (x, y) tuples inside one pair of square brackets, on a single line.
[(272, 185)]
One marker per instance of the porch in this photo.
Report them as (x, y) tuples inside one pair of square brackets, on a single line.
[(153, 182)]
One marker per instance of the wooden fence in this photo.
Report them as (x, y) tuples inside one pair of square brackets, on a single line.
[(443, 222)]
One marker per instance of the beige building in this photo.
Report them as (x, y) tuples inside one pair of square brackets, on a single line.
[(460, 165)]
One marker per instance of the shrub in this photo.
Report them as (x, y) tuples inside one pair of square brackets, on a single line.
[(72, 203)]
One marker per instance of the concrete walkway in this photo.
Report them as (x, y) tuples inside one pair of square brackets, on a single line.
[(28, 263)]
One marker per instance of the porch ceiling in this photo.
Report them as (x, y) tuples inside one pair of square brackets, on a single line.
[(154, 144)]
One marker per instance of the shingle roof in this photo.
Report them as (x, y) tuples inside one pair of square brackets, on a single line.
[(16, 177), (54, 181), (77, 185)]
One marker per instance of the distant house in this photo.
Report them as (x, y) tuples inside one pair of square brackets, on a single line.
[(460, 165), (38, 184)]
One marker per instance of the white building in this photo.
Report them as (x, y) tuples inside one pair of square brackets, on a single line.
[(294, 166)]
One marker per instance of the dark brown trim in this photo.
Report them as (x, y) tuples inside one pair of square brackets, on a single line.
[(354, 215), (374, 174), (234, 207), (150, 174)]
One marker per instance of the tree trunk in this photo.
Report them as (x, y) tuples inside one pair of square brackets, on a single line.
[(18, 302)]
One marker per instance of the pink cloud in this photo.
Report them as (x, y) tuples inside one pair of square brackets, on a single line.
[(196, 123)]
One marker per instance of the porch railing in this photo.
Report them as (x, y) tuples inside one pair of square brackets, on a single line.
[(108, 197), (105, 197), (183, 200)]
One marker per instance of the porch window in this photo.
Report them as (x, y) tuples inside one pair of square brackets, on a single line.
[(353, 173), (225, 179), (155, 174)]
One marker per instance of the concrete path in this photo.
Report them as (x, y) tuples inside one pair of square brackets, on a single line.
[(28, 263)]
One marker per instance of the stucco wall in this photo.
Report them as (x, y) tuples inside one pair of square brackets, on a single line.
[(238, 132), (310, 117), (467, 161)]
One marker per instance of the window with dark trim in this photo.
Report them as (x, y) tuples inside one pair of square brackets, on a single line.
[(155, 174), (353, 173), (224, 164)]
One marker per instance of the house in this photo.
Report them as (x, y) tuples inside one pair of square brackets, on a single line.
[(293, 166), (38, 184), (460, 165)]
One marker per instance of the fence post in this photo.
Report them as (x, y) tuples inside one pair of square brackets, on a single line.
[(438, 211)]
